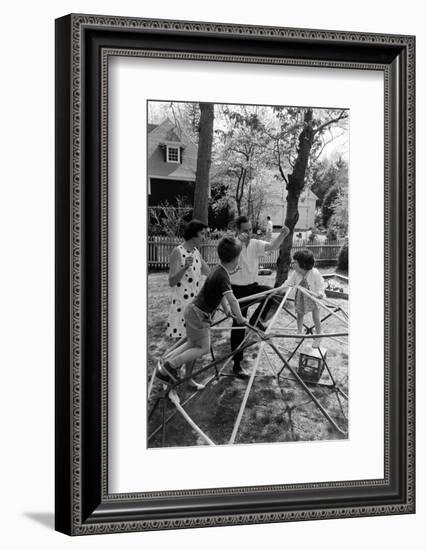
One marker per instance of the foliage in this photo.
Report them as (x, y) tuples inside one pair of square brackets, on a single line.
[(219, 209), (322, 177), (324, 125), (241, 150), (331, 234), (312, 238), (167, 220), (318, 217), (258, 150), (339, 221), (325, 174), (343, 259), (302, 135), (327, 209)]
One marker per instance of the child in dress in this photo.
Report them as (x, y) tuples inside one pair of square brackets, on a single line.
[(199, 313), (305, 275)]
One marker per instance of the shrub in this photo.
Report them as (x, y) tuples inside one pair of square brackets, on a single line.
[(312, 236), (331, 234), (328, 204), (343, 259)]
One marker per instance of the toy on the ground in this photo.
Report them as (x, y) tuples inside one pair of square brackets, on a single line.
[(312, 364)]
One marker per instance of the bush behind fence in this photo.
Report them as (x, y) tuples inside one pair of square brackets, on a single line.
[(159, 249)]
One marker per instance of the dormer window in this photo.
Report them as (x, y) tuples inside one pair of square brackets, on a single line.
[(173, 154)]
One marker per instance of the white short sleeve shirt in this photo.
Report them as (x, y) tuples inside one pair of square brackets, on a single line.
[(249, 263), (314, 279)]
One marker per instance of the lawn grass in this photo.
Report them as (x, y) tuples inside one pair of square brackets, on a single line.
[(275, 412)]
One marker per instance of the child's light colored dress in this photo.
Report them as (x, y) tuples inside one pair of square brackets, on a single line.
[(313, 281), (184, 292)]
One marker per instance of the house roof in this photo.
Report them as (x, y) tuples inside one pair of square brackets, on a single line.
[(166, 134), (309, 194)]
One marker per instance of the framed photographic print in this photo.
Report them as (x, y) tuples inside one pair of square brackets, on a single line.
[(234, 274)]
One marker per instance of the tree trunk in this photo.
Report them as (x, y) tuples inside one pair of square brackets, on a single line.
[(296, 182), (204, 158), (239, 193), (249, 205)]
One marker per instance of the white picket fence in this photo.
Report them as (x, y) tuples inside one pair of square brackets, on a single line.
[(160, 248)]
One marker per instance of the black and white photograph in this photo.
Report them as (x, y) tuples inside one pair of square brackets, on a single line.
[(248, 273), (210, 300)]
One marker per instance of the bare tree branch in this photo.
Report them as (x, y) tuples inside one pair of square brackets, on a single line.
[(280, 168), (342, 115), (324, 143), (176, 119)]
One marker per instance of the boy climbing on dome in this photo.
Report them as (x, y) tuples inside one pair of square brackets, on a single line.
[(199, 313)]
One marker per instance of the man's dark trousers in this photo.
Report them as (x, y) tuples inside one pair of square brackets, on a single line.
[(242, 291)]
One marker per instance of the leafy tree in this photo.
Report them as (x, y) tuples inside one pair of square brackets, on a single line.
[(323, 177), (339, 221), (242, 149), (327, 209), (168, 220), (343, 259), (219, 210), (300, 139)]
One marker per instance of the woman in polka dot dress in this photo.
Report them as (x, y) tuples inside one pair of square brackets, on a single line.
[(186, 268)]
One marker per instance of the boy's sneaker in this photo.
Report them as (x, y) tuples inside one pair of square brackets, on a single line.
[(167, 373), (193, 385)]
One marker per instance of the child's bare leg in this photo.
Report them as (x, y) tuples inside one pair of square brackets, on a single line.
[(317, 322), (178, 342), (189, 367), (188, 356), (192, 384), (185, 354), (183, 347), (167, 369)]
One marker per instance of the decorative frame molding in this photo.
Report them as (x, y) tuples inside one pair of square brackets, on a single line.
[(84, 43)]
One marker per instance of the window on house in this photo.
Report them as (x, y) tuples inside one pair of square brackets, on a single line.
[(173, 154)]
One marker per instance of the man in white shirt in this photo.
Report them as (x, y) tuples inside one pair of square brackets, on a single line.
[(244, 281)]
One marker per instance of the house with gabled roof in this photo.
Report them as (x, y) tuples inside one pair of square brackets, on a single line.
[(172, 164), (276, 208)]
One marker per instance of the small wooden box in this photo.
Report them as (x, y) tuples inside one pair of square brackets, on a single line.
[(311, 365)]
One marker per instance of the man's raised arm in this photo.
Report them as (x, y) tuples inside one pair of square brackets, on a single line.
[(278, 240)]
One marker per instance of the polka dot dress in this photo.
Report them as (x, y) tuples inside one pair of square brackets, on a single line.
[(183, 293)]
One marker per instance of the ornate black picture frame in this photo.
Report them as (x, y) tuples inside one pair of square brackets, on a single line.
[(84, 44)]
